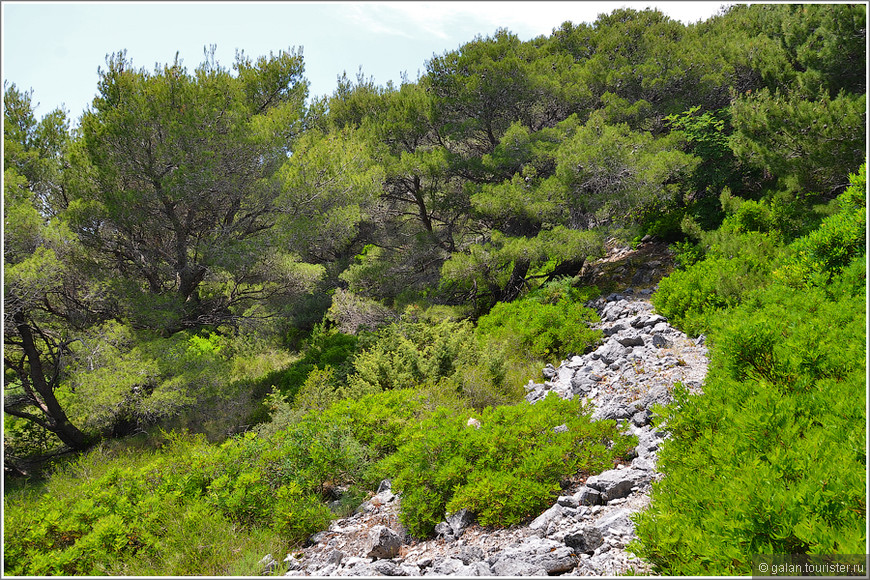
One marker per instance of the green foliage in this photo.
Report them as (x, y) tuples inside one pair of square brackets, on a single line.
[(149, 284), (353, 314), (772, 457), (664, 224), (686, 254), (539, 329), (506, 263), (501, 499), (505, 470), (839, 241), (34, 149), (563, 289), (707, 135), (324, 347), (690, 297), (610, 170), (121, 380), (809, 145), (332, 182), (378, 419), (745, 215), (738, 258), (130, 513), (186, 216), (486, 365), (140, 512), (409, 354), (22, 438)]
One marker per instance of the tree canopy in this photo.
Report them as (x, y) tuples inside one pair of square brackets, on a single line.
[(224, 200)]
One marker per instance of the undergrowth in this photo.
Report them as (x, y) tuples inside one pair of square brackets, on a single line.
[(771, 458)]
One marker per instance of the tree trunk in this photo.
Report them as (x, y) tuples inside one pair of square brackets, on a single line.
[(517, 281), (566, 268), (56, 420)]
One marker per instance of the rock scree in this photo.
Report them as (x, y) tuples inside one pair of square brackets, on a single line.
[(584, 533)]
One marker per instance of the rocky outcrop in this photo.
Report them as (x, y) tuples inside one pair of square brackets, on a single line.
[(584, 533)]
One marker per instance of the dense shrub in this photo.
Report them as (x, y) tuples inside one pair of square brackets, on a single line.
[(540, 330), (686, 253), (736, 264), (324, 347), (840, 239), (141, 512), (352, 313), (772, 457), (690, 297), (129, 513), (506, 470), (408, 354)]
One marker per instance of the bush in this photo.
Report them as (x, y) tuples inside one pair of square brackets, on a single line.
[(445, 464), (352, 313), (736, 265), (540, 330), (664, 224), (325, 347), (686, 254), (186, 509), (490, 375), (840, 239), (772, 457), (448, 359), (409, 354), (690, 298), (128, 513)]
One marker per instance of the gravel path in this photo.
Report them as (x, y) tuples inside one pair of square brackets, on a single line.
[(633, 370)]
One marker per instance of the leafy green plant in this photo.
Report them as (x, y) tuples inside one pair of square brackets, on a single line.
[(772, 457), (686, 254), (540, 330), (444, 464), (183, 509), (839, 240), (408, 354), (324, 347)]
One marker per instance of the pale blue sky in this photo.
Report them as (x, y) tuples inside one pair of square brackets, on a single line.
[(55, 48)]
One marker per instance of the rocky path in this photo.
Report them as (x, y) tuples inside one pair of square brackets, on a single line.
[(585, 532)]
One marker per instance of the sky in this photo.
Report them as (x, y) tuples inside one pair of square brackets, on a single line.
[(56, 48)]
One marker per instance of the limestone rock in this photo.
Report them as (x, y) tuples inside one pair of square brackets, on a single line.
[(383, 543), (617, 483)]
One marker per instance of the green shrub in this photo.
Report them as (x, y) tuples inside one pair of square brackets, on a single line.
[(563, 289), (746, 215), (686, 254), (445, 464), (133, 513), (378, 420), (490, 375), (772, 457), (736, 265), (297, 514), (409, 354), (690, 297), (501, 499), (852, 281), (538, 330), (664, 224), (321, 389), (189, 508), (840, 239), (352, 313), (324, 347)]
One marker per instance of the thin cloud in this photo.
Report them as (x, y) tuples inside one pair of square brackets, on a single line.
[(444, 20)]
